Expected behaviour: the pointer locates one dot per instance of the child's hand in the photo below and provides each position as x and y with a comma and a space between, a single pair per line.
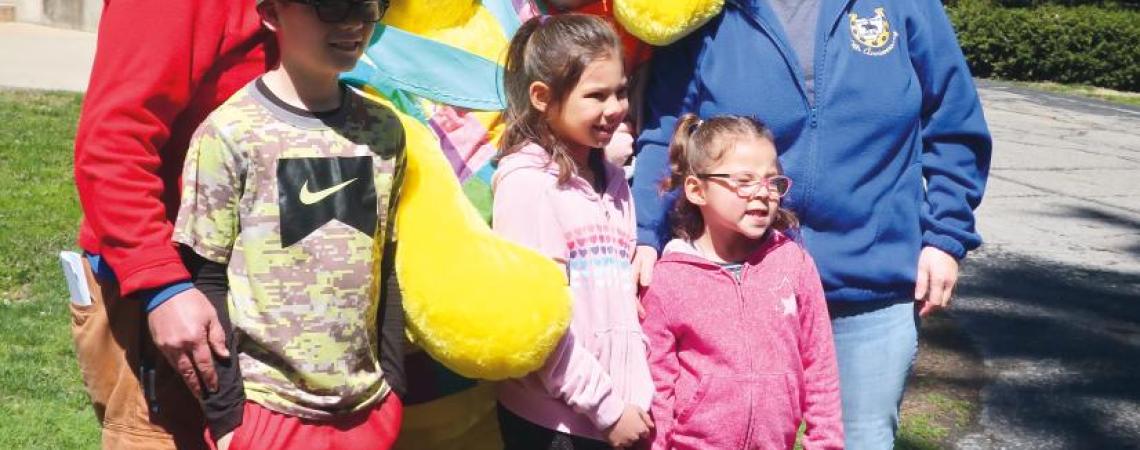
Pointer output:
633, 425
643, 259
937, 275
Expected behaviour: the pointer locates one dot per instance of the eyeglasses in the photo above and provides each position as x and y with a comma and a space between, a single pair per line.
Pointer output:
337, 11
749, 184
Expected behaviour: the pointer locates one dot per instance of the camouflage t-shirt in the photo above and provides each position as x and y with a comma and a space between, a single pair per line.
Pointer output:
290, 201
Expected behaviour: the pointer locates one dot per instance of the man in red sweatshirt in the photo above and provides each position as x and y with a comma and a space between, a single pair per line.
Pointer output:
160, 68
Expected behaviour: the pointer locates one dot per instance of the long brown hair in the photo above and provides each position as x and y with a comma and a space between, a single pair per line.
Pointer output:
554, 50
697, 146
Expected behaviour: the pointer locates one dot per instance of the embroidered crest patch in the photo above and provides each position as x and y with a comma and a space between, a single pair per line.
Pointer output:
872, 36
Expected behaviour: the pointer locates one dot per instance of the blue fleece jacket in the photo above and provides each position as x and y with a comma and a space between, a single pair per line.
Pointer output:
892, 156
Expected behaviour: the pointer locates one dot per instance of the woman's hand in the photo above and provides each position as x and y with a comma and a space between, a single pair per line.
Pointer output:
937, 276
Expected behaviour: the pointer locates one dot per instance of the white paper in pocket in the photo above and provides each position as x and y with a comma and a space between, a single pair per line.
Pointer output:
76, 278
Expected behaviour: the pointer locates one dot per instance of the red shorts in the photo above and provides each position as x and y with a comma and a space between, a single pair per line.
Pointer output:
262, 429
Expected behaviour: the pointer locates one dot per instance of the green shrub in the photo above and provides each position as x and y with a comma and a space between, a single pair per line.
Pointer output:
1106, 3
1081, 44
1030, 3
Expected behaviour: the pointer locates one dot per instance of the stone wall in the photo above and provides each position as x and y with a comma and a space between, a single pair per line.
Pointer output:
74, 14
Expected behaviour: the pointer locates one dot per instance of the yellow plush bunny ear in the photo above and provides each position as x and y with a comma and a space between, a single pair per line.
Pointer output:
482, 306
660, 22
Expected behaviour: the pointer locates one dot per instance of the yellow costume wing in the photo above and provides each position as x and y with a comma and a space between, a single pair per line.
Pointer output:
482, 306
664, 22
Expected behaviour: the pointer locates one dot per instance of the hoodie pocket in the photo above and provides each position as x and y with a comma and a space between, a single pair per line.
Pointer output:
715, 417
774, 414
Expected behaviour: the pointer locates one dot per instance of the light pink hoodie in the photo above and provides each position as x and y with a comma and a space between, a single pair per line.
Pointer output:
738, 364
601, 364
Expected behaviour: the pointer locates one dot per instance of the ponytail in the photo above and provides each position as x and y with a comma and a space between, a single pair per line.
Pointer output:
679, 166
687, 221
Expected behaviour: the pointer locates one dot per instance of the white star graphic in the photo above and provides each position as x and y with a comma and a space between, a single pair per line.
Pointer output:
789, 305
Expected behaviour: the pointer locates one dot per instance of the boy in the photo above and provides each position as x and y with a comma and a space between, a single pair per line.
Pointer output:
289, 190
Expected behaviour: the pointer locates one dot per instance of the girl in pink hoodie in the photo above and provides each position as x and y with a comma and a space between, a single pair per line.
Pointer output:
740, 341
556, 193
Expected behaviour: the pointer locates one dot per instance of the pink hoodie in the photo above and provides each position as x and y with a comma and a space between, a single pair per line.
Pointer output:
601, 365
739, 364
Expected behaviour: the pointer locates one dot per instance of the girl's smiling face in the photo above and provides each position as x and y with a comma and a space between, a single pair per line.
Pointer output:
726, 206
593, 110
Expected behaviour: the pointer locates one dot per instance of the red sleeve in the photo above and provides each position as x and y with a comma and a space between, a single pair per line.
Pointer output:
822, 409
149, 56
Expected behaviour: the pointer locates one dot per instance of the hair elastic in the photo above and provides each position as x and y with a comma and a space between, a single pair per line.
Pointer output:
695, 125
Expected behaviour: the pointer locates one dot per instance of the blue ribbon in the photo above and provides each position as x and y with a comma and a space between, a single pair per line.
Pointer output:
401, 65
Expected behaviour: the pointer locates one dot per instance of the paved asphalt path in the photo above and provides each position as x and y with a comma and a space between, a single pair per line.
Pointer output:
1053, 298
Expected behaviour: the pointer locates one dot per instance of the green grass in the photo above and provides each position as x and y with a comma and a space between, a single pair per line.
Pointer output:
928, 428
922, 431
1108, 95
919, 433
42, 401
958, 410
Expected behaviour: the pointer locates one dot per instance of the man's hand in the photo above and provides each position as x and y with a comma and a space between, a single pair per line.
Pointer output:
643, 259
937, 275
633, 426
185, 329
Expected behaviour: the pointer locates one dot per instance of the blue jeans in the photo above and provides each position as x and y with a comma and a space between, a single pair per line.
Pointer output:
876, 343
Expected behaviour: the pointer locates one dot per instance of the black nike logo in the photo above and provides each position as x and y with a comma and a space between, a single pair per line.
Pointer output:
313, 191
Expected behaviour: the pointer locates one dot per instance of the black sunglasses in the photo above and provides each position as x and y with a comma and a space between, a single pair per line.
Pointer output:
337, 11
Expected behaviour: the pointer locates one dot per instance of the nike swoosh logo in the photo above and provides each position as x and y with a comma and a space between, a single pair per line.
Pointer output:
309, 197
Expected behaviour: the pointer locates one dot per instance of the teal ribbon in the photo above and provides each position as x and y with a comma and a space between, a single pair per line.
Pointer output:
504, 12
403, 66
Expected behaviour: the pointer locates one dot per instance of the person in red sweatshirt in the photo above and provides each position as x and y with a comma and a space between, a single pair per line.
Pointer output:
146, 346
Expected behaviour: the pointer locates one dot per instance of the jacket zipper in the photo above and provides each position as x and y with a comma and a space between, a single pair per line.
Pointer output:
811, 107
820, 69
739, 284
818, 58
785, 52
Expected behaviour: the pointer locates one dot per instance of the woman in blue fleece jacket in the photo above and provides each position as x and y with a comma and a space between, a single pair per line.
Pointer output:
878, 122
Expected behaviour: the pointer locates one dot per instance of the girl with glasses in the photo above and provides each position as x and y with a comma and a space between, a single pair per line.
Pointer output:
741, 349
